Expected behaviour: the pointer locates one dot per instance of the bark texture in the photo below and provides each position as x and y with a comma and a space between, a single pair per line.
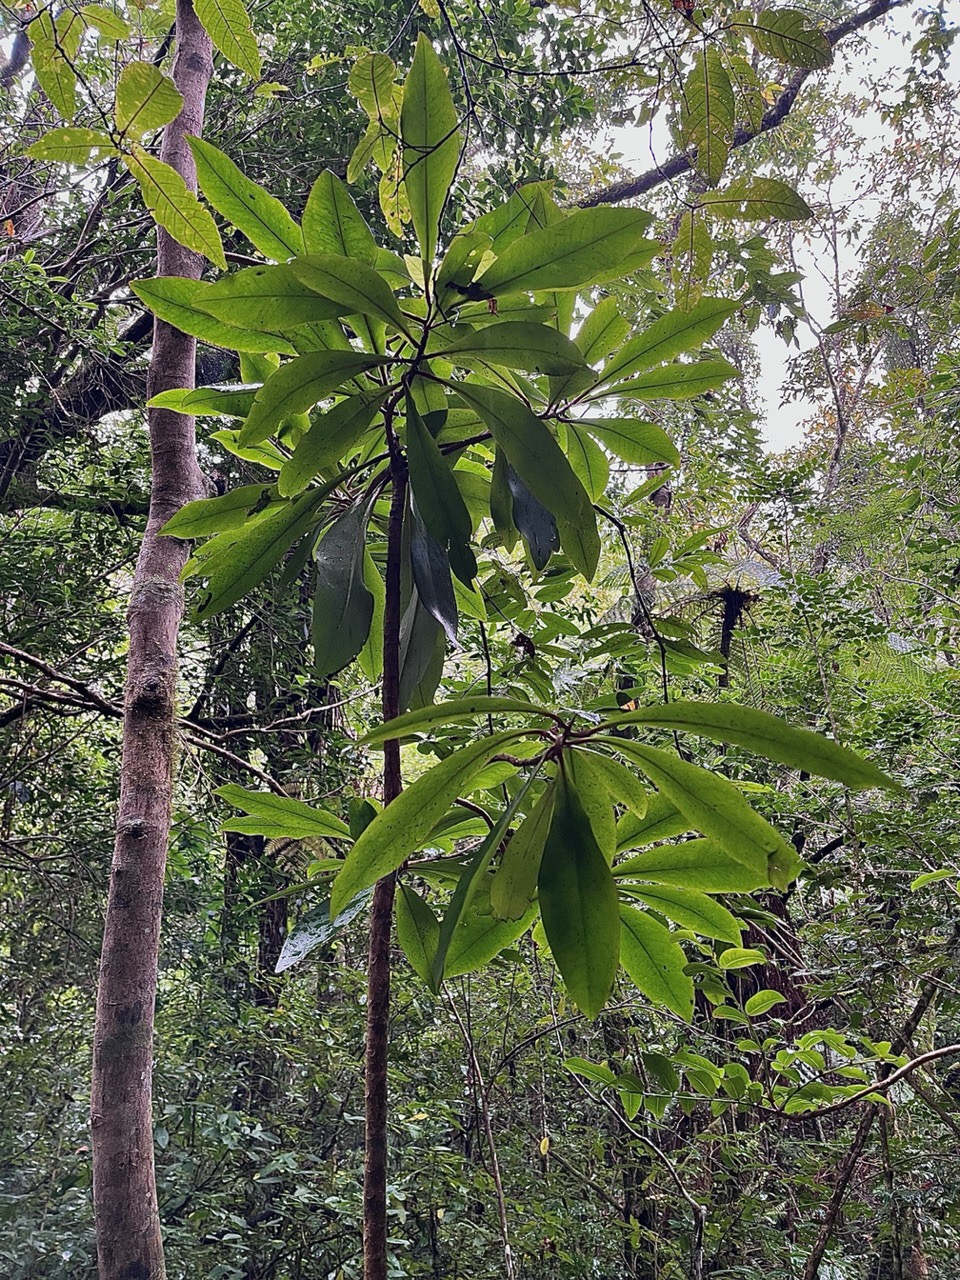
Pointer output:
129, 1245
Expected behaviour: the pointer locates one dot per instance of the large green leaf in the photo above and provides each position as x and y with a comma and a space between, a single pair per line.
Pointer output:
232, 400
174, 207
661, 821
655, 962
430, 566
478, 704
332, 223
332, 435
585, 775
252, 210
266, 298
422, 650
354, 285
589, 462
670, 336
230, 510
695, 864
282, 815
570, 253
342, 605
228, 25
514, 884
174, 299
418, 931
622, 784
439, 502
767, 735
715, 807
527, 516
635, 441
316, 929
692, 910
751, 198
479, 936
578, 904
539, 461
110, 25
371, 82
403, 826
431, 144
146, 99
298, 385
784, 34
71, 146
603, 330
707, 115
675, 381
515, 344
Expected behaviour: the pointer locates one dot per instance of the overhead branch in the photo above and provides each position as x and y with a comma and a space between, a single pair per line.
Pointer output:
773, 117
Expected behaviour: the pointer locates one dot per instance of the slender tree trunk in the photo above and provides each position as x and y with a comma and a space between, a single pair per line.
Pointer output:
124, 1188
381, 918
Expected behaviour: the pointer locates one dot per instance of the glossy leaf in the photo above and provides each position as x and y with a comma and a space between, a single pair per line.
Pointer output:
692, 910
741, 958
418, 931
516, 344
282, 815
298, 385
767, 735
402, 827
479, 936
244, 203
431, 143
570, 253
746, 199
228, 25
578, 904
541, 465
342, 605
715, 806
438, 500
332, 223
146, 100
655, 962
677, 332
174, 207
514, 884
635, 441
763, 1002
430, 566
531, 519
352, 284
174, 299
621, 783
330, 438
422, 649
316, 929
695, 864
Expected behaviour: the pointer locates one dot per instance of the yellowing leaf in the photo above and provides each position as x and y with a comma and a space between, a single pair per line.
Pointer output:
228, 25
174, 207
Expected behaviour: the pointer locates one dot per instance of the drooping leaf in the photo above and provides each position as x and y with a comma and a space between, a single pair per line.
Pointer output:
785, 34
252, 210
354, 285
707, 115
767, 735
716, 807
438, 500
514, 884
282, 815
402, 827
430, 566
146, 99
174, 207
695, 864
515, 344
692, 910
227, 23
539, 462
479, 935
266, 298
675, 381
571, 253
587, 459
316, 929
672, 335
328, 440
578, 904
635, 441
752, 198
530, 517
655, 962
418, 931
370, 657
71, 145
342, 605
586, 777
298, 385
174, 299
431, 143
332, 223
422, 649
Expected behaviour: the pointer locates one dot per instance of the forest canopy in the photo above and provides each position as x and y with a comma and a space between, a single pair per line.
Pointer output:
468, 806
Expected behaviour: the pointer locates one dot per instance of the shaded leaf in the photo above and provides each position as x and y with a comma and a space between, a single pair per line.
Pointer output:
266, 298
655, 962
516, 344
298, 385
342, 605
677, 332
749, 198
332, 436
418, 931
438, 500
514, 884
